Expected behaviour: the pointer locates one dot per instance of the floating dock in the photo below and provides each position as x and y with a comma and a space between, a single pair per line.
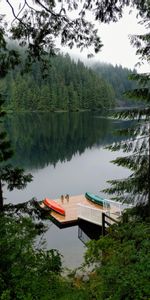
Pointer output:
78, 207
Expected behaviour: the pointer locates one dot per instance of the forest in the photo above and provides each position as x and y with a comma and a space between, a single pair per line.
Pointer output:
120, 260
119, 78
68, 86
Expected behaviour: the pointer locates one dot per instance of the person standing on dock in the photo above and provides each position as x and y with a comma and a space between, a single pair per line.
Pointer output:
62, 198
67, 197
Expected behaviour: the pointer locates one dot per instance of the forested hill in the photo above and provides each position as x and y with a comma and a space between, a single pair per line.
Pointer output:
69, 86
118, 77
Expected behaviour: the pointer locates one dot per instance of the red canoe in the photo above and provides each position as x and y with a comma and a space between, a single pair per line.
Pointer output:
54, 206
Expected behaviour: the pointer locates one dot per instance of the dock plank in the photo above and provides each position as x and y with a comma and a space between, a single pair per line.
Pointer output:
71, 207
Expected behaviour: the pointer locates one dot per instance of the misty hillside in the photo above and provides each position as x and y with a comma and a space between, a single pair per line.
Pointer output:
118, 77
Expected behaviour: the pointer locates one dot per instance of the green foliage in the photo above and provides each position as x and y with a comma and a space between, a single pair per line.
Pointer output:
37, 27
122, 267
26, 271
15, 177
107, 11
9, 58
118, 77
5, 147
124, 271
68, 86
136, 188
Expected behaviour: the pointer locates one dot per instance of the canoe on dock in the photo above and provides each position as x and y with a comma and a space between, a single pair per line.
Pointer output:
97, 199
53, 205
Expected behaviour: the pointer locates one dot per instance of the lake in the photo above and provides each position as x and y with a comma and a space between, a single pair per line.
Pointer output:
65, 152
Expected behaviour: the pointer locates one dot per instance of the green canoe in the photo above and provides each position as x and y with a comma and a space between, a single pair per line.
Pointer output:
97, 199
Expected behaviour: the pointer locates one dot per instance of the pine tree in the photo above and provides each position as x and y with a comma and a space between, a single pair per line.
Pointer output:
38, 28
136, 188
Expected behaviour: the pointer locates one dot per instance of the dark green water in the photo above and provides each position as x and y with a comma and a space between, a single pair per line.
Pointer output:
66, 153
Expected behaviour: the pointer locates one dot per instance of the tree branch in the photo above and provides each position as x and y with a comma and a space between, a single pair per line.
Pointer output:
14, 14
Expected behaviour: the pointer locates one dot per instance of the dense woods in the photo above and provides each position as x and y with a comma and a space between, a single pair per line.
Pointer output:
118, 77
122, 264
122, 258
68, 86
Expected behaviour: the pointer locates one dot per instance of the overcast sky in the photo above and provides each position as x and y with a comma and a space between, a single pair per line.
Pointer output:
117, 48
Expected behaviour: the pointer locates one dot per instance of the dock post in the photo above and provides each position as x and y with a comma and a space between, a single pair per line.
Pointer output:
103, 224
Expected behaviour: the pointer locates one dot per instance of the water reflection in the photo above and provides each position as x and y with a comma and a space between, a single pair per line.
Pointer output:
88, 231
67, 242
65, 153
47, 138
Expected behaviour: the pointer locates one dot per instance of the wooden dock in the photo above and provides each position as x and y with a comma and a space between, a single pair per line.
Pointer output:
71, 210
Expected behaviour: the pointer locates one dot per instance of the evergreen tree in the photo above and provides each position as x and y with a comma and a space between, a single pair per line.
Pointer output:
136, 188
25, 269
58, 90
124, 268
36, 29
118, 78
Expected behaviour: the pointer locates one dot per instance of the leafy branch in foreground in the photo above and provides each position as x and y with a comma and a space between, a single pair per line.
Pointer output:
37, 25
136, 188
27, 271
125, 262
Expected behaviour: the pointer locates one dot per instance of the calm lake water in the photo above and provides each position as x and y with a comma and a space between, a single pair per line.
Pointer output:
65, 152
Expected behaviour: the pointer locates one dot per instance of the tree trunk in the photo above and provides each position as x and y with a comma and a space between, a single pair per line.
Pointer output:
1, 197
149, 174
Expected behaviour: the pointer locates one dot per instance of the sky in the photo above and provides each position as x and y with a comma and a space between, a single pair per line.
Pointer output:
117, 48
115, 38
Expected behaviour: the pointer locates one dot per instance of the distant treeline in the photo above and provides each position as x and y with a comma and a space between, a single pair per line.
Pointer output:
118, 77
68, 86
